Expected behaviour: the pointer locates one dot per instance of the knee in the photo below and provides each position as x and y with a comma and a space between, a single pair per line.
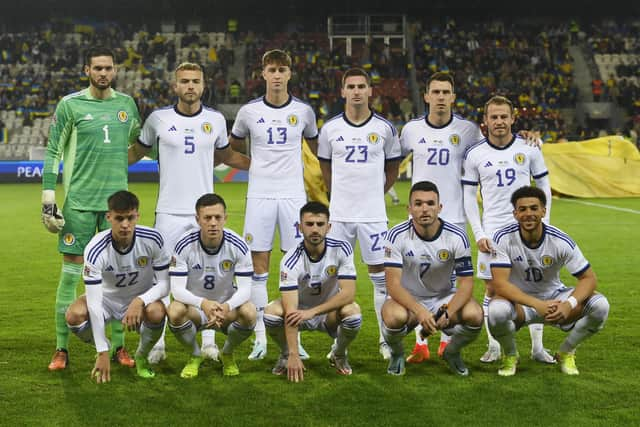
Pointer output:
349, 310
394, 316
598, 308
76, 314
274, 308
473, 315
155, 312
177, 313
500, 312
247, 314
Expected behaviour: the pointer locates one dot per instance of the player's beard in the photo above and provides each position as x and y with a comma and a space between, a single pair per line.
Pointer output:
101, 84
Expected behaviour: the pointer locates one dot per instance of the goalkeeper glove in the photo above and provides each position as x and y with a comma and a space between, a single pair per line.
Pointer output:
51, 217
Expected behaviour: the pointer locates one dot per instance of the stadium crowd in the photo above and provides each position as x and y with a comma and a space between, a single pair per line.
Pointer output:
528, 62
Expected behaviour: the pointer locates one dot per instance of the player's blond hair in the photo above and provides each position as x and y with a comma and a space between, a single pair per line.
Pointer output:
498, 100
188, 66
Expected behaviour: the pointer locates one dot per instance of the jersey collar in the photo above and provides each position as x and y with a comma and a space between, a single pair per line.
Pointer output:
129, 249
431, 125
268, 104
537, 244
324, 251
344, 116
435, 236
175, 108
513, 139
209, 251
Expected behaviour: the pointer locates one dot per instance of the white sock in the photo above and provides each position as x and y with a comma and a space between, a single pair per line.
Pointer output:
186, 335
595, 314
347, 332
379, 296
260, 298
149, 334
419, 339
236, 333
208, 337
493, 343
275, 327
536, 330
461, 336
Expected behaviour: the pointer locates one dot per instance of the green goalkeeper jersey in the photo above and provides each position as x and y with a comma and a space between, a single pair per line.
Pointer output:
92, 137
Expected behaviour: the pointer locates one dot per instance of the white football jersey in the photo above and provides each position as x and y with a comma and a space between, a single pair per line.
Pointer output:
185, 147
125, 275
317, 281
358, 154
211, 275
438, 152
500, 171
276, 146
427, 265
536, 271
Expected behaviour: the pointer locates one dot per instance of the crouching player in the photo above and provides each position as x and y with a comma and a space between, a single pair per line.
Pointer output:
211, 285
125, 275
317, 286
526, 278
420, 256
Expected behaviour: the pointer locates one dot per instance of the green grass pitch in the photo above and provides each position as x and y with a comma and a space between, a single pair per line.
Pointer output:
604, 394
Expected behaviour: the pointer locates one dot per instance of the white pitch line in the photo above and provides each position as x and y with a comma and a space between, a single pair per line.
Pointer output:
600, 205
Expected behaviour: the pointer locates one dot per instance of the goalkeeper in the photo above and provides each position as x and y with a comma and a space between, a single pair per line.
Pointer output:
91, 132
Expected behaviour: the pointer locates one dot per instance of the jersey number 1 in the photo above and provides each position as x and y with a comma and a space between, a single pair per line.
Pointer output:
105, 129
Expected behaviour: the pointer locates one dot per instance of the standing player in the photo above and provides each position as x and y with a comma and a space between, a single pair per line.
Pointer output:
92, 129
421, 255
125, 275
526, 279
186, 136
211, 285
359, 156
318, 286
499, 164
275, 123
438, 142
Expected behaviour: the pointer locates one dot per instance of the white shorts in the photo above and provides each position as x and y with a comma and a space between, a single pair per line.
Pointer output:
173, 226
532, 316
484, 266
434, 303
370, 237
261, 218
317, 323
113, 310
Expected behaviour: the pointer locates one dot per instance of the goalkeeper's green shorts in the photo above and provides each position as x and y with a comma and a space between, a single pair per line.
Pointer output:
79, 228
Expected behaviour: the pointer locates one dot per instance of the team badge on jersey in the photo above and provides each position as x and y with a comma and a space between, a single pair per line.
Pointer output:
206, 127
331, 270
519, 158
292, 119
69, 239
547, 260
443, 255
142, 261
454, 139
123, 116
226, 265
373, 138
248, 237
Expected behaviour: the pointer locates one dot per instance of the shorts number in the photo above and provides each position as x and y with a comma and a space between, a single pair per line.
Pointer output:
363, 153
509, 177
375, 246
105, 129
122, 278
438, 156
209, 282
189, 145
281, 134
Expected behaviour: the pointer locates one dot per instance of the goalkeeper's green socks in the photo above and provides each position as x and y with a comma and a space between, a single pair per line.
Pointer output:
117, 335
65, 295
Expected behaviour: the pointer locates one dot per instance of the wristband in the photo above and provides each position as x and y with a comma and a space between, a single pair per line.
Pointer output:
573, 302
